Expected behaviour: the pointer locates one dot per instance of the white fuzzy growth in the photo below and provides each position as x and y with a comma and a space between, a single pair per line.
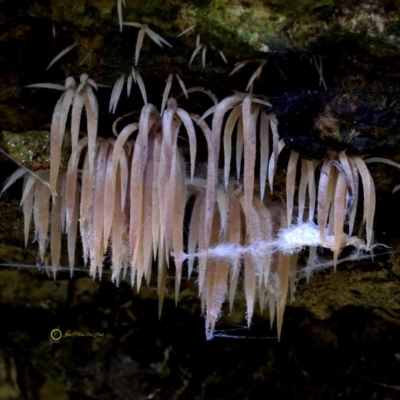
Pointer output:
289, 241
227, 251
230, 252
293, 239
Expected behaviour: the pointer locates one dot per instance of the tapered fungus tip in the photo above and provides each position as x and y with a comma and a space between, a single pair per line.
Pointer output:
177, 285
335, 260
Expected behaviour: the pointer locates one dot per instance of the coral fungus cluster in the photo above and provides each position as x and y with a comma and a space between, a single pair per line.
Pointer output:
130, 197
127, 197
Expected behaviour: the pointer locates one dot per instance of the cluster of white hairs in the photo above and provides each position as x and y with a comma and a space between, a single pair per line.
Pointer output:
127, 196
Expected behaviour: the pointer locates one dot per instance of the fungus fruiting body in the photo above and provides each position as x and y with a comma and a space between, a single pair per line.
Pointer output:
128, 200
144, 28
127, 196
